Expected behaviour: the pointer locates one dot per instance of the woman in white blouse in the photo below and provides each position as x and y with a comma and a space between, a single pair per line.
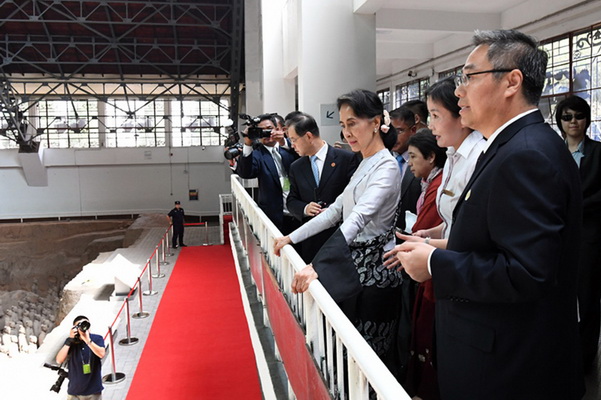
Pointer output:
366, 212
464, 147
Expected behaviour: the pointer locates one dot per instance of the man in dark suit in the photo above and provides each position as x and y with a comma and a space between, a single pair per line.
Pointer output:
317, 178
573, 117
405, 122
505, 287
269, 162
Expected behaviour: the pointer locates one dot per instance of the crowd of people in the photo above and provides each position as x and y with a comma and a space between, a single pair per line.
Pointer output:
460, 235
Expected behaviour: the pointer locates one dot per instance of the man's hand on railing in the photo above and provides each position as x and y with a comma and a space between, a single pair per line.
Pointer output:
279, 243
303, 278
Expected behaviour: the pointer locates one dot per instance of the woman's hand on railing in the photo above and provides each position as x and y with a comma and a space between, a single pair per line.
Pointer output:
280, 242
303, 278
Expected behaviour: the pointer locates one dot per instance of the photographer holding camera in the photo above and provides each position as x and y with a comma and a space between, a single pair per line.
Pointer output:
266, 155
84, 351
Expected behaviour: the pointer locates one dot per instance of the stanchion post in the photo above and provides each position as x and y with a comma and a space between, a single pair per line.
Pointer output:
206, 243
149, 292
158, 274
167, 245
113, 377
140, 314
128, 341
164, 254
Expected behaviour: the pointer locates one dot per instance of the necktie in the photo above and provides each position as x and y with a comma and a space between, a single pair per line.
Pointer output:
315, 169
401, 161
480, 157
277, 158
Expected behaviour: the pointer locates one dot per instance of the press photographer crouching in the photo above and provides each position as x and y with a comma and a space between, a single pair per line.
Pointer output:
83, 351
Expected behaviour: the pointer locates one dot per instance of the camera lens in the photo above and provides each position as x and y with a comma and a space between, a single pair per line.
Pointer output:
83, 326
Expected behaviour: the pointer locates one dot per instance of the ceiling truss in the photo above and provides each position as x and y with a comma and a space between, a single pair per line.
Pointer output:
103, 49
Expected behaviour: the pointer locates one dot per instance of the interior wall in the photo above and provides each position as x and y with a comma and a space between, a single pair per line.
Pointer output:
553, 18
115, 181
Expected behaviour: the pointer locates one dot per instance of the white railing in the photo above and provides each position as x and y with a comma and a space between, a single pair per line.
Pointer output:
225, 208
330, 336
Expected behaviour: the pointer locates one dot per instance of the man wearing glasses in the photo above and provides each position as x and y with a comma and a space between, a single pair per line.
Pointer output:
316, 179
506, 324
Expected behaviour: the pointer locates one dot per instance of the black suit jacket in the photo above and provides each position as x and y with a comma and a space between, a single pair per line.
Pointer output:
338, 168
259, 164
411, 188
506, 323
590, 175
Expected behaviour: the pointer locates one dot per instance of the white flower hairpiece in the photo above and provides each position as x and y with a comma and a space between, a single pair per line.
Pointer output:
386, 118
386, 125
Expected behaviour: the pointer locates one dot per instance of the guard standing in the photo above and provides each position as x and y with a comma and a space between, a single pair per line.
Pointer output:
176, 218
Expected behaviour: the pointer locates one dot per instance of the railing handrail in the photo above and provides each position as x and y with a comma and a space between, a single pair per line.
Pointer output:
378, 375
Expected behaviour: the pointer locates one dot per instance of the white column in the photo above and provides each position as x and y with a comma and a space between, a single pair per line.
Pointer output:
322, 45
168, 122
278, 84
253, 56
102, 121
337, 53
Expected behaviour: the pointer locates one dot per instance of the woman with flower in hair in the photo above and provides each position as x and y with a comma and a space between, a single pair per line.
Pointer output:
350, 265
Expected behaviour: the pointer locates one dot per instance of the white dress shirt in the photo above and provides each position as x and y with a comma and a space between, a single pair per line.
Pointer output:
320, 162
321, 158
366, 206
457, 172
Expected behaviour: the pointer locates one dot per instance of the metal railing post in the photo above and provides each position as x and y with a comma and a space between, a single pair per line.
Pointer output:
149, 292
141, 313
113, 377
128, 341
169, 238
206, 242
158, 264
164, 253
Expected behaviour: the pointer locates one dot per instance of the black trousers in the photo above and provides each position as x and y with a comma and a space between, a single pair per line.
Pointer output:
589, 295
178, 234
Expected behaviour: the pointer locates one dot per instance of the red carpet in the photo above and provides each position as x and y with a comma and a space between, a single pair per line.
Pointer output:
199, 346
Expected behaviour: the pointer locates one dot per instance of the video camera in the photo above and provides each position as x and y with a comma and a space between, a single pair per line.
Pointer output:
254, 133
62, 374
233, 147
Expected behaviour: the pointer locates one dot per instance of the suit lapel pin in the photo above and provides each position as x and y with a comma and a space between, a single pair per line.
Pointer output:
333, 164
469, 193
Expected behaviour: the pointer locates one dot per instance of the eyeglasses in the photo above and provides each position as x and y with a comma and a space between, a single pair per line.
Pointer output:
464, 79
569, 117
